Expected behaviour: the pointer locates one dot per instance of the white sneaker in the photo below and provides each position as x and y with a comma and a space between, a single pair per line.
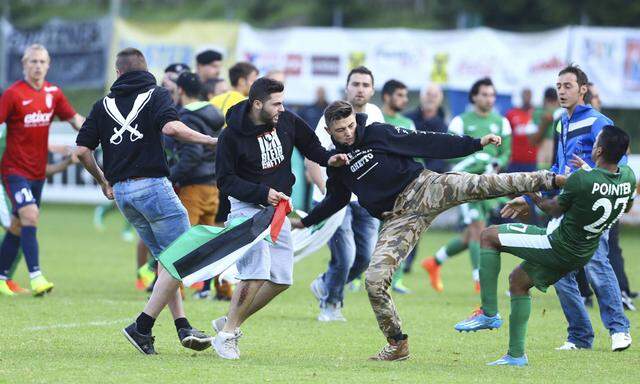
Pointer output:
226, 345
218, 324
620, 341
331, 312
567, 346
318, 289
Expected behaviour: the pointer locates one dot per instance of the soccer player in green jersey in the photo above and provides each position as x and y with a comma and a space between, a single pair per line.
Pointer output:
480, 121
592, 200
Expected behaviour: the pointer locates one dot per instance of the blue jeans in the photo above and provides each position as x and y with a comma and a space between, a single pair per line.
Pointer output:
351, 248
154, 210
605, 285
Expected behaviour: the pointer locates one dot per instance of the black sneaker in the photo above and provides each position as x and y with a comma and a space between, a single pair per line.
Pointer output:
143, 343
193, 339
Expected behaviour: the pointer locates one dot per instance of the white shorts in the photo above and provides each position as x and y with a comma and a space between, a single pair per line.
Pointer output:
265, 261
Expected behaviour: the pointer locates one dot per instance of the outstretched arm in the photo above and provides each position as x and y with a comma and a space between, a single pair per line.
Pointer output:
180, 131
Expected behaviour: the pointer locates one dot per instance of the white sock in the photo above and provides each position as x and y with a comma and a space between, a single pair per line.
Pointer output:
476, 274
33, 275
3, 277
441, 255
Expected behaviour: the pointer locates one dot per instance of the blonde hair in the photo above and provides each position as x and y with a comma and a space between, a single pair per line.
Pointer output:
34, 47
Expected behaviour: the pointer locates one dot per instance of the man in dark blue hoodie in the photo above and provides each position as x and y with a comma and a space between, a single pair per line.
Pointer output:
129, 123
253, 166
396, 189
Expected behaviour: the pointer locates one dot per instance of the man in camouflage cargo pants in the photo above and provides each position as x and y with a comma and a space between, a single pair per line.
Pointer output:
396, 189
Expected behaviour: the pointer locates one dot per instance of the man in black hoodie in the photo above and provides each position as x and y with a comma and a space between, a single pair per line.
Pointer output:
253, 166
194, 171
129, 123
407, 198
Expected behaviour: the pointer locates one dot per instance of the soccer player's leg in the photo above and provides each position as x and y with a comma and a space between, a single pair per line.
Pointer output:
25, 196
455, 246
475, 228
9, 251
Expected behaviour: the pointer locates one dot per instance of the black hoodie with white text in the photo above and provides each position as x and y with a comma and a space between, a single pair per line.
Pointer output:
381, 166
128, 124
251, 158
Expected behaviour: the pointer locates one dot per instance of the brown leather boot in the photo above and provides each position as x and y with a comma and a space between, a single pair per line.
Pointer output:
394, 351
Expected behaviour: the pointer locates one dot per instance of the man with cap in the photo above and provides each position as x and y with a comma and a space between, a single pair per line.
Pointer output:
209, 64
170, 77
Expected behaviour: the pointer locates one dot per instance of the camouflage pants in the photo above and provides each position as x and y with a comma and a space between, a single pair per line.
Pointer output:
415, 208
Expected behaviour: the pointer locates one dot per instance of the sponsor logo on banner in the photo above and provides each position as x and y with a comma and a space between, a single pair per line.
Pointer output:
439, 72
271, 150
552, 64
632, 65
293, 66
598, 50
357, 59
325, 65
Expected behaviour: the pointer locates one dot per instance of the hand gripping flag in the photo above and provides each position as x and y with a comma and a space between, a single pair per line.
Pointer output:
204, 252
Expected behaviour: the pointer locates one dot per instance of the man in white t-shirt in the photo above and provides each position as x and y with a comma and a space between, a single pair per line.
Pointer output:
352, 244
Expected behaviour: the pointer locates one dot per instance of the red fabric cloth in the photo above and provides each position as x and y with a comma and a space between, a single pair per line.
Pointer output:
279, 216
28, 113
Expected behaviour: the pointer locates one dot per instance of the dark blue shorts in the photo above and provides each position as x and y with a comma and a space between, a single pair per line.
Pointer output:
22, 191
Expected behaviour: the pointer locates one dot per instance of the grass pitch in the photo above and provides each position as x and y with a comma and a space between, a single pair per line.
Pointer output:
74, 334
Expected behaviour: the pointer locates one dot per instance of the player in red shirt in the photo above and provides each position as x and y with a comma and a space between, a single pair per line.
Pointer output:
28, 106
523, 150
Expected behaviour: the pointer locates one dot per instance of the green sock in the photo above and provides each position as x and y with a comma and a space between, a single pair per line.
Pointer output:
489, 271
15, 264
455, 246
520, 311
474, 251
452, 248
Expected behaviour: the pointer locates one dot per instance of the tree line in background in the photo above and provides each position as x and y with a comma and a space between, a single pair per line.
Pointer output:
516, 15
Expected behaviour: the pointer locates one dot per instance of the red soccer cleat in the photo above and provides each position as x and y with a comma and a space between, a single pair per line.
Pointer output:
433, 268
140, 285
477, 286
15, 287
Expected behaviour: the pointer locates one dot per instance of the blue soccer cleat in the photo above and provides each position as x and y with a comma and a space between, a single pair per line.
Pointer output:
479, 321
510, 360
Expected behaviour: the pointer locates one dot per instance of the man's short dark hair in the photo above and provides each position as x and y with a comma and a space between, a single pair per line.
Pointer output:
550, 94
208, 57
262, 89
130, 59
337, 110
190, 84
362, 70
581, 77
475, 88
391, 86
241, 70
614, 142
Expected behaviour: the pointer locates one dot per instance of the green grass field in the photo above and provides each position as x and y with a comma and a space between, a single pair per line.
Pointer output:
73, 335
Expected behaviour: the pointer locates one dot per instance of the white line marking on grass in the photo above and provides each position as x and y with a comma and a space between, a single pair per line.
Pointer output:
100, 323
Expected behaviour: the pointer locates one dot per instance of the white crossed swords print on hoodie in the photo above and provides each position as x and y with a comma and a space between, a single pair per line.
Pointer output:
125, 124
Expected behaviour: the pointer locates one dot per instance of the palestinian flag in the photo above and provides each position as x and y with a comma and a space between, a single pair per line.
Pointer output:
204, 252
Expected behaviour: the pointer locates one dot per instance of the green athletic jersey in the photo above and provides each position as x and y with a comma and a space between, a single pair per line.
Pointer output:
400, 121
472, 124
593, 200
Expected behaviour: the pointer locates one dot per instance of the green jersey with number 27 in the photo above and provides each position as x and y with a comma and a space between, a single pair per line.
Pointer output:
593, 201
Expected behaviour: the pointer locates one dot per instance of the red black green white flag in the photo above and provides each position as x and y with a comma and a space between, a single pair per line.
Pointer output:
204, 252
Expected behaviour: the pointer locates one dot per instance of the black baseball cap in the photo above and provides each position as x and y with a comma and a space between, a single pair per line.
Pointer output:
208, 57
177, 68
190, 83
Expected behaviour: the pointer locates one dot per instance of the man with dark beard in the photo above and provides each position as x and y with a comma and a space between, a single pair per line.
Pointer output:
253, 166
